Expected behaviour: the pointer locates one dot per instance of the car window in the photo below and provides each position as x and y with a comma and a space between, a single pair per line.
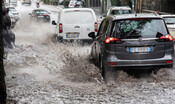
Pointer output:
169, 20
117, 12
87, 17
75, 18
135, 28
10, 13
78, 17
103, 27
41, 12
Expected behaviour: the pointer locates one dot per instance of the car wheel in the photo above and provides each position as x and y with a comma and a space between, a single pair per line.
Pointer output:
170, 66
108, 73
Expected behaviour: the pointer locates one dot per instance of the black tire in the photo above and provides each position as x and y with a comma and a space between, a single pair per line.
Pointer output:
108, 73
170, 66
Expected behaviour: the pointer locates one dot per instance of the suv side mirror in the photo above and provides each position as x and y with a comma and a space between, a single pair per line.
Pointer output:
92, 35
54, 23
30, 14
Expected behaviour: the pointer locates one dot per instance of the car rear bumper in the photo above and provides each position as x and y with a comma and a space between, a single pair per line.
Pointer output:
158, 62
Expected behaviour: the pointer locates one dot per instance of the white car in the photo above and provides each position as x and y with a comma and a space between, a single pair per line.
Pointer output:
76, 24
118, 10
72, 3
170, 22
14, 12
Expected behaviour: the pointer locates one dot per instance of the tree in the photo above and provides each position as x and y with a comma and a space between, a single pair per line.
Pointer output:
121, 3
115, 2
2, 72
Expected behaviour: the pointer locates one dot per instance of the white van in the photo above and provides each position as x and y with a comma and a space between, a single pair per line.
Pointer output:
76, 24
118, 10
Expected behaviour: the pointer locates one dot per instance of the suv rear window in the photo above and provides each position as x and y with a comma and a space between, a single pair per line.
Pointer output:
78, 17
139, 27
117, 12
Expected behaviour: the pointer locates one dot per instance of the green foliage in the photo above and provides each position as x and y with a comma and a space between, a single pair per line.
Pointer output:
50, 1
66, 3
115, 2
121, 2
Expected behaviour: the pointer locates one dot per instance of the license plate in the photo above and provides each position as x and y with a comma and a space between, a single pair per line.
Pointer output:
40, 16
72, 35
140, 49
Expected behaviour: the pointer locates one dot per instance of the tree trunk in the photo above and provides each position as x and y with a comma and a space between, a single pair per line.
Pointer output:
2, 72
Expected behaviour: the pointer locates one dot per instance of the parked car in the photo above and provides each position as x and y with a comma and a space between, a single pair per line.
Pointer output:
72, 3
14, 12
132, 41
13, 3
29, 2
76, 24
170, 21
12, 18
40, 15
79, 4
118, 10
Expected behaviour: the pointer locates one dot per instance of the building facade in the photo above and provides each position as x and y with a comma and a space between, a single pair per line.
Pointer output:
160, 5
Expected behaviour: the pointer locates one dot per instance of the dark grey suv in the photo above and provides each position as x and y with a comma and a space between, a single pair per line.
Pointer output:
132, 40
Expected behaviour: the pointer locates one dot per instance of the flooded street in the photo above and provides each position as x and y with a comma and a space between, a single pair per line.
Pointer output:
42, 71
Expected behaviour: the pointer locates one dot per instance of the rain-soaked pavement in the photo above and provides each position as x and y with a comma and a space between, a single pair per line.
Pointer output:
40, 71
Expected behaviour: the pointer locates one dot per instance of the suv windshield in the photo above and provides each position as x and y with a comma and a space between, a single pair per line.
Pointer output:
169, 20
139, 27
117, 12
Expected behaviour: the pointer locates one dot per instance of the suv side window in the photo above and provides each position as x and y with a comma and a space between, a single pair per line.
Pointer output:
103, 27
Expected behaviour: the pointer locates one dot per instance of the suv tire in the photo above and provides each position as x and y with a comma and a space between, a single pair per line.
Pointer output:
109, 74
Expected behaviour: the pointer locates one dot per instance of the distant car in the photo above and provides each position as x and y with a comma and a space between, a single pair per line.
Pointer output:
132, 41
72, 3
76, 24
170, 21
14, 12
79, 4
29, 2
13, 3
40, 15
118, 10
12, 18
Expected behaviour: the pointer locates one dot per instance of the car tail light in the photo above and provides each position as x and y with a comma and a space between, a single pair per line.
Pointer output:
75, 4
96, 27
169, 62
33, 15
47, 14
167, 37
111, 39
112, 64
60, 28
